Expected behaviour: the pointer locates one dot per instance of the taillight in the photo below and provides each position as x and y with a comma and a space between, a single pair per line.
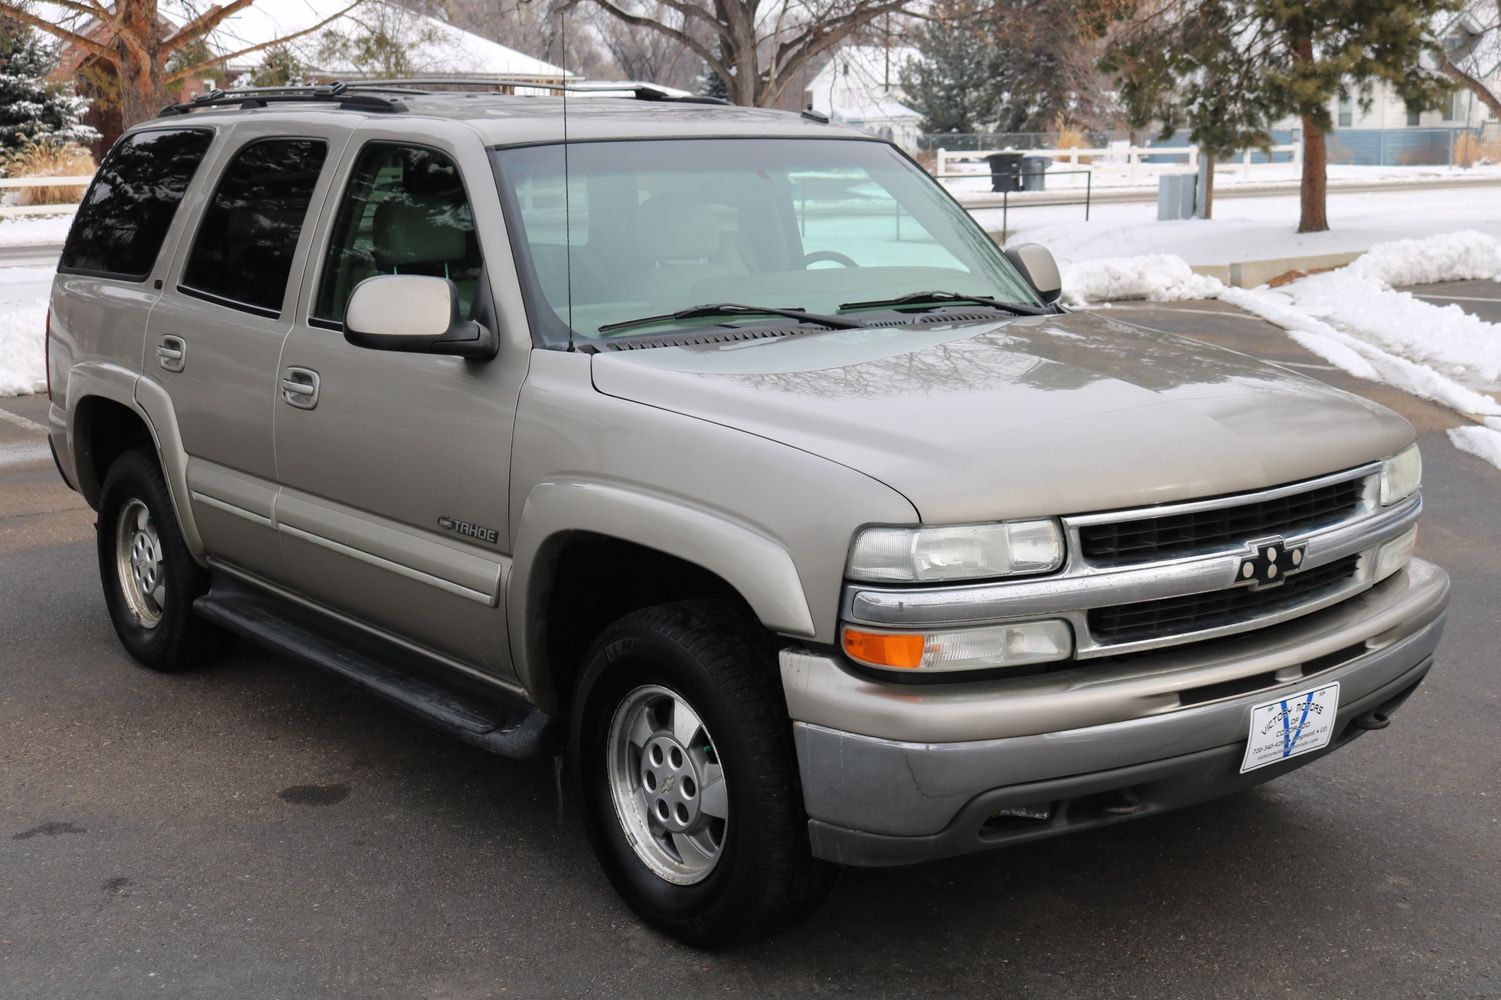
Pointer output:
47, 352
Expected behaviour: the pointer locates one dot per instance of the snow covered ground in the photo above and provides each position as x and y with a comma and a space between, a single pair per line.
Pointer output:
1108, 176
23, 317
32, 231
1251, 228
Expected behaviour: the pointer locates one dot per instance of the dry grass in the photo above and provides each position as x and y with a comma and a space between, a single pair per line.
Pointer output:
1071, 136
48, 159
1471, 149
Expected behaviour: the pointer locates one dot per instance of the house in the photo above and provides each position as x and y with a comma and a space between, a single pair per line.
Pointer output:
861, 86
326, 40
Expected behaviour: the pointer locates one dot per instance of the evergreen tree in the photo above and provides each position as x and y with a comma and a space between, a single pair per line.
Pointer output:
952, 86
30, 109
1227, 69
1006, 65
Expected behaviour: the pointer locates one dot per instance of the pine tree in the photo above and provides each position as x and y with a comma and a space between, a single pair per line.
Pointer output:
1227, 69
31, 110
1007, 65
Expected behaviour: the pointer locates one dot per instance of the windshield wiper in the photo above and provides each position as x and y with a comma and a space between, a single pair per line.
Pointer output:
735, 309
937, 299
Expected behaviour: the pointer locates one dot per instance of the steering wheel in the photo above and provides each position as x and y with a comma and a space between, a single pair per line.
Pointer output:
832, 256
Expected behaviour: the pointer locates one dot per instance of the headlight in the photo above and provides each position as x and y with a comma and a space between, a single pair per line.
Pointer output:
956, 552
1395, 554
1013, 645
1401, 475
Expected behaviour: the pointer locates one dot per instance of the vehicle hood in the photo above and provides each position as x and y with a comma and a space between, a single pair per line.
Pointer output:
1044, 415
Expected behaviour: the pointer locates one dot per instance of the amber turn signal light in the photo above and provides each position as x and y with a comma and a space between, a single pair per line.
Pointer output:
885, 649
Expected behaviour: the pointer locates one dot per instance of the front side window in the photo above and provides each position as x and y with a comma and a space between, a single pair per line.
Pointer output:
649, 228
404, 212
124, 218
243, 252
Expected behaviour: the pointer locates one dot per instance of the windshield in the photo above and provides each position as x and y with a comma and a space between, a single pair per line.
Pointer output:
666, 226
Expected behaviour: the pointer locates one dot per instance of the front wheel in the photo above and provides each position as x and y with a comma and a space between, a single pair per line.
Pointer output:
688, 777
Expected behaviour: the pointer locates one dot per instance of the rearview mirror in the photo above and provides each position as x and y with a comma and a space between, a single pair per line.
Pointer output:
1037, 265
415, 313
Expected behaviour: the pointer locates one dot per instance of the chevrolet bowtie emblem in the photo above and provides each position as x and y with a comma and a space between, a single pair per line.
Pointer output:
1272, 563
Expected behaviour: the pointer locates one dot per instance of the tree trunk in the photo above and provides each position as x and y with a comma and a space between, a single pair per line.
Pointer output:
1315, 216
142, 90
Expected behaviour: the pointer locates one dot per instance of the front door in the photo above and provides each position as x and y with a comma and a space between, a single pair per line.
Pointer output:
394, 474
216, 333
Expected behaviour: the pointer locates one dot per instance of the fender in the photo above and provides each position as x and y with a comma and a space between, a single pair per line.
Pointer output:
105, 380
757, 566
149, 401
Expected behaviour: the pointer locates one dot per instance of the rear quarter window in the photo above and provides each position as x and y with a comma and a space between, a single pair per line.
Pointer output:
124, 218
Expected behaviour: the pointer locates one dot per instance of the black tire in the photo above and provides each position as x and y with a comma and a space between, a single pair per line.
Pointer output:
725, 667
179, 640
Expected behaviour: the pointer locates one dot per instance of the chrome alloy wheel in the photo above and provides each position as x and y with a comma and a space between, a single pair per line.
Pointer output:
138, 563
667, 785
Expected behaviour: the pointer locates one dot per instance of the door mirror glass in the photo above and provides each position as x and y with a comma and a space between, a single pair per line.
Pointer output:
415, 313
1037, 265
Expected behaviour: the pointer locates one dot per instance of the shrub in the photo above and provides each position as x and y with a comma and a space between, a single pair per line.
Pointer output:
48, 158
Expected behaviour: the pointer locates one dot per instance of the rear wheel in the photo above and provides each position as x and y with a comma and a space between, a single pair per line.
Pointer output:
150, 579
684, 757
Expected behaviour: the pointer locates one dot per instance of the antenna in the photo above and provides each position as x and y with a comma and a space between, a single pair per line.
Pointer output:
567, 194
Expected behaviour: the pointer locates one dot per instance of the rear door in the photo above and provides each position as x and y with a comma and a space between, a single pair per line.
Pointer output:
394, 477
216, 335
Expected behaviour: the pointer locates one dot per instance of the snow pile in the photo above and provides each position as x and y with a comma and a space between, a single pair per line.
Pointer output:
1158, 277
23, 318
1482, 442
1450, 257
1353, 318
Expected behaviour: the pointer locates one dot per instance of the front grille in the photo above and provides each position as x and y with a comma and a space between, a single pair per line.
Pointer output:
1154, 538
1175, 616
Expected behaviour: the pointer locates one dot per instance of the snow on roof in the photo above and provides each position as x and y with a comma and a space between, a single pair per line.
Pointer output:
862, 84
430, 46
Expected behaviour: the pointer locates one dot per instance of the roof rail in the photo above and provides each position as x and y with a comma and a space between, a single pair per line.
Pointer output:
260, 97
638, 91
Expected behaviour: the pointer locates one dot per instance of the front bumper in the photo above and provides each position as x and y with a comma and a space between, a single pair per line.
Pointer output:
894, 774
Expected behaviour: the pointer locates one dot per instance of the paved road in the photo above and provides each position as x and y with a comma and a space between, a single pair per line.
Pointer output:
1479, 298
258, 830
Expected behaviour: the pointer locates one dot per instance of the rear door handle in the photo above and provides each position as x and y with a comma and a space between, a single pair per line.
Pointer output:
299, 388
172, 353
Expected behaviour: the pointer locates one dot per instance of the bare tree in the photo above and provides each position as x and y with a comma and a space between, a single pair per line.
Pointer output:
649, 56
1469, 51
758, 48
132, 39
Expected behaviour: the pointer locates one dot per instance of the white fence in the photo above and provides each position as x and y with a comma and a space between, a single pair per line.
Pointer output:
1129, 158
12, 183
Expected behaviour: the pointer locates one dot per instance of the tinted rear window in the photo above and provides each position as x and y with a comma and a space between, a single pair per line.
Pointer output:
125, 215
243, 252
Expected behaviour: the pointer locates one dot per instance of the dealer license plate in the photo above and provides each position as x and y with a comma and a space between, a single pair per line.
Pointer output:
1288, 727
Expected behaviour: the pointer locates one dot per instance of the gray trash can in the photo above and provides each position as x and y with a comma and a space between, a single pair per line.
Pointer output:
1035, 172
1005, 171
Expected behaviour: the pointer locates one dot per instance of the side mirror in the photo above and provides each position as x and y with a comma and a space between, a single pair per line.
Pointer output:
415, 313
1037, 265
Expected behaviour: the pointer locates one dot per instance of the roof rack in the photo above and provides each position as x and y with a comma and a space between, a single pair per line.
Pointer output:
367, 98
632, 89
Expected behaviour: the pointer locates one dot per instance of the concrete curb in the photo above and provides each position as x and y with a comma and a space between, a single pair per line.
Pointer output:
1251, 273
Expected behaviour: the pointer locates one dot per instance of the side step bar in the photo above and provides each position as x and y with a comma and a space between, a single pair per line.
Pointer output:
491, 719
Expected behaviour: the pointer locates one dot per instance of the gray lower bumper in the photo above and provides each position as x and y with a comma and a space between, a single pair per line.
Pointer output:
882, 801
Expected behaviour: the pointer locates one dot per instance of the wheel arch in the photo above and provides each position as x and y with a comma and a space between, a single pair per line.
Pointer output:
589, 553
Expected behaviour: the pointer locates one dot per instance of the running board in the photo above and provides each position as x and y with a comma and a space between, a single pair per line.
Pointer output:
426, 689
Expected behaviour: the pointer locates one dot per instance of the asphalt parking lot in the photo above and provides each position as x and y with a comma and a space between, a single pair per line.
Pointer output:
258, 830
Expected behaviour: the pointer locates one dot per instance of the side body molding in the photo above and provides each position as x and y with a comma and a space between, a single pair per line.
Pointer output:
755, 565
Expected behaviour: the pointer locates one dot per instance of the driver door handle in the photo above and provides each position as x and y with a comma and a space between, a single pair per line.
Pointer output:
299, 388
